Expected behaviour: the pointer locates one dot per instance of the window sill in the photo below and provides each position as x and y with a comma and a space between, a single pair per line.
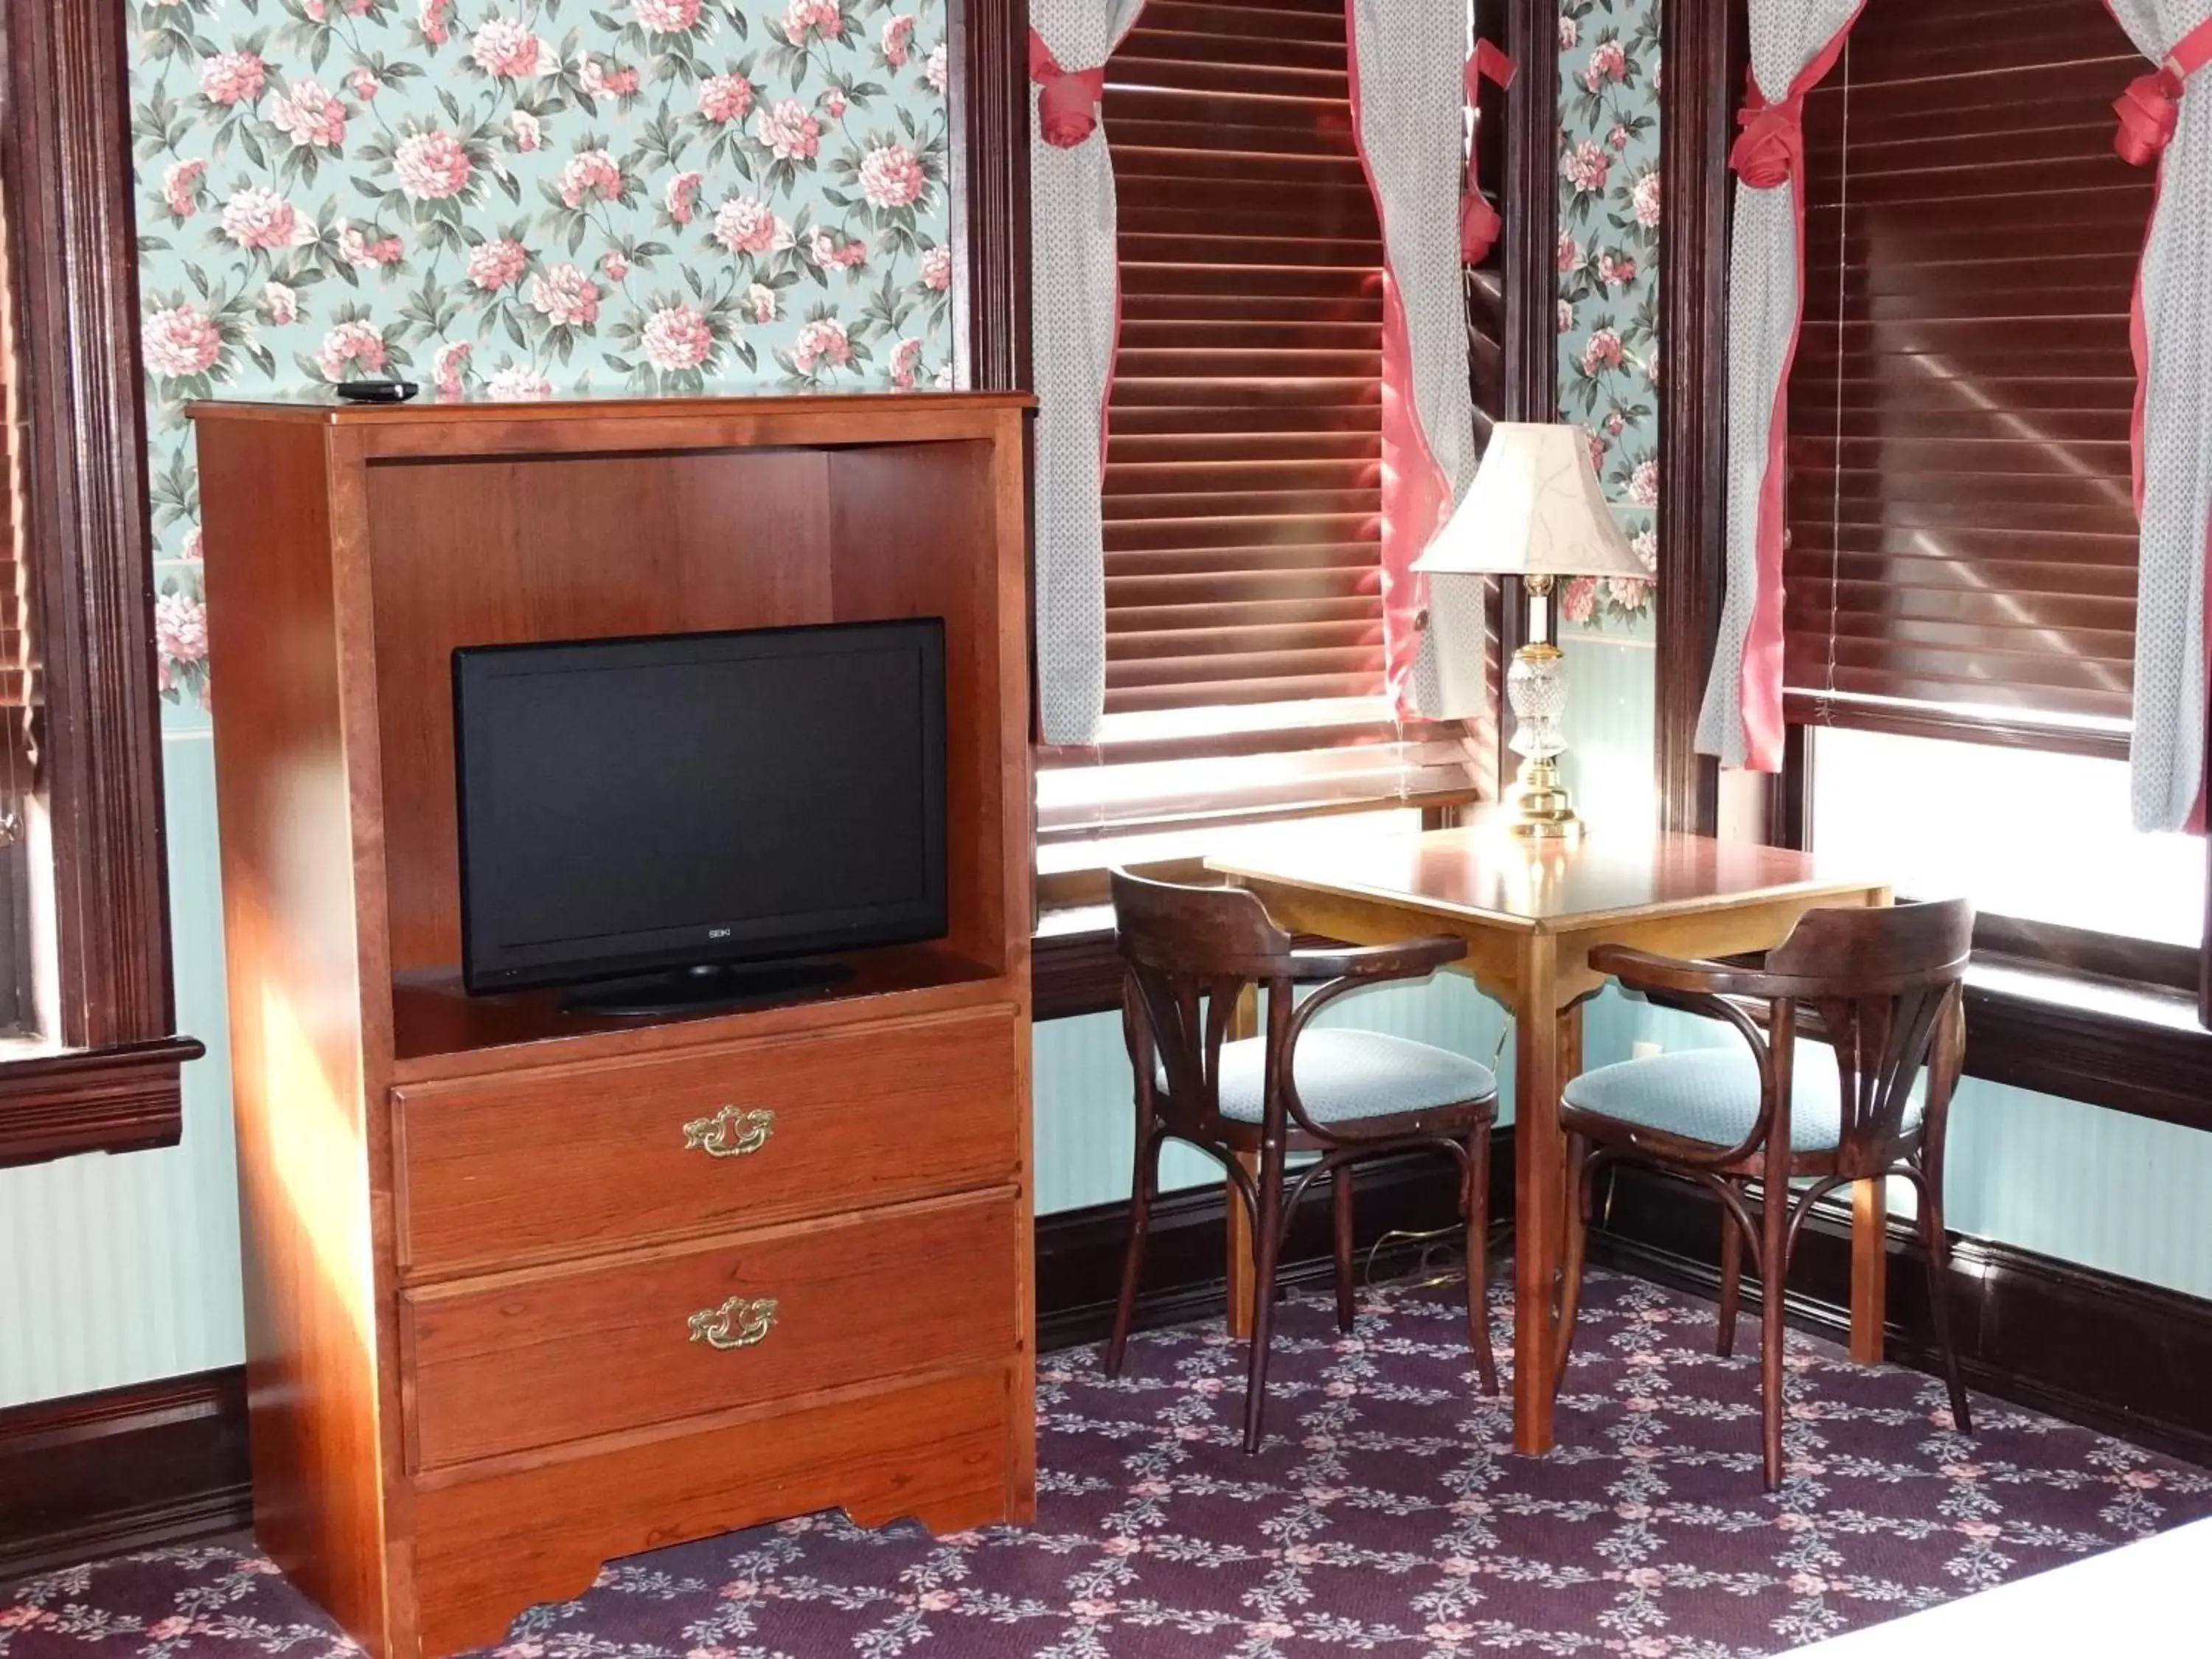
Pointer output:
58, 1103
2131, 1047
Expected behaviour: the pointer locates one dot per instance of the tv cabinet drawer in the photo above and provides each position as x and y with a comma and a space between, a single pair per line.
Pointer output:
559, 1355
535, 1165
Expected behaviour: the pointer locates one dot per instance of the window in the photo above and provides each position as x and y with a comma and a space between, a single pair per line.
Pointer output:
1962, 558
1243, 479
91, 1059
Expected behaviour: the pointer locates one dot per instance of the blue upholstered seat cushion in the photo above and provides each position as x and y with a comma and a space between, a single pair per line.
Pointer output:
1712, 1095
1344, 1077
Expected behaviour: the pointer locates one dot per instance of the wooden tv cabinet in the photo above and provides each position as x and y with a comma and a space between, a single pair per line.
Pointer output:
529, 1290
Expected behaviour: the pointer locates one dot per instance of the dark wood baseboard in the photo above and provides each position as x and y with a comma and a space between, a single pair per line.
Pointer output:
100, 1474
130, 1468
2113, 1354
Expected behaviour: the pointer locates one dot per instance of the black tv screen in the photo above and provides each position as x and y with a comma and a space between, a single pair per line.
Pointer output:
628, 805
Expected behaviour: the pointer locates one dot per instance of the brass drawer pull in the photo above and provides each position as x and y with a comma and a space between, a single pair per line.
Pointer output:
730, 1133
740, 1322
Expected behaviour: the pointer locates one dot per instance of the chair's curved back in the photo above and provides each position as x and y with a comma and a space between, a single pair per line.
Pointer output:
1887, 982
1190, 953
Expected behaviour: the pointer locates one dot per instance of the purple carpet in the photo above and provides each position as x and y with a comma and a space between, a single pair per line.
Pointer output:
1387, 1515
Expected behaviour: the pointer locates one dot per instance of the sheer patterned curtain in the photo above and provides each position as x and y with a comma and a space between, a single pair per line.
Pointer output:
1075, 308
1408, 95
2166, 120
1794, 43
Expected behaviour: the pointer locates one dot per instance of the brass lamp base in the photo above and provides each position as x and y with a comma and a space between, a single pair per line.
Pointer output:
1540, 809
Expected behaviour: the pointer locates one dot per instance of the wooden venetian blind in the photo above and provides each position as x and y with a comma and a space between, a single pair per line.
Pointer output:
1962, 533
1243, 481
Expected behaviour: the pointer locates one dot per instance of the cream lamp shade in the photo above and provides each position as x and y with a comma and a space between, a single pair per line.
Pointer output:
1534, 509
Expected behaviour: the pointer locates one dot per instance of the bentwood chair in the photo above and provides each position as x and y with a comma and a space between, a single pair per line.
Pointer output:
1189, 954
1885, 987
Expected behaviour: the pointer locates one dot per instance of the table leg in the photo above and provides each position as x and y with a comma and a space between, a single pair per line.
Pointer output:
1571, 1065
1238, 1270
1538, 1172
1869, 1260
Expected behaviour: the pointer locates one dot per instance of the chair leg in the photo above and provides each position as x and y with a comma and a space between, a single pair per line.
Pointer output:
1476, 1206
1341, 1203
1936, 1246
1731, 1280
1773, 1225
1570, 1266
1143, 1179
1267, 1246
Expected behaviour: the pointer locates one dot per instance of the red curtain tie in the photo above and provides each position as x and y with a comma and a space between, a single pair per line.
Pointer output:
1480, 223
2150, 108
1771, 148
1068, 101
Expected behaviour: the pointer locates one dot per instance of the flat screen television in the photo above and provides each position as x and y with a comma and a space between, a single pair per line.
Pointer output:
666, 819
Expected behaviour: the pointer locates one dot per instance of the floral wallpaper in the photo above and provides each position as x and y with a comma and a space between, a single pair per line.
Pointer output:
513, 198
1609, 274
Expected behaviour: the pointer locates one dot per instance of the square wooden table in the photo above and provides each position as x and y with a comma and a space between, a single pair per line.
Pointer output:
1530, 913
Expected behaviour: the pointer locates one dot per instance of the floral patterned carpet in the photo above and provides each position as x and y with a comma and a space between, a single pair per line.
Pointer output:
1387, 1515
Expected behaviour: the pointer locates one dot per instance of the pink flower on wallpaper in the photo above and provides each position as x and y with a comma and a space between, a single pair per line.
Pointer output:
821, 341
822, 247
1608, 62
310, 116
725, 98
436, 18
833, 104
760, 300
494, 265
349, 349
179, 633
194, 544
677, 337
257, 217
745, 224
897, 39
891, 176
906, 358
1566, 318
1602, 351
566, 297
821, 17
1616, 139
667, 16
934, 70
362, 83
1586, 166
432, 166
448, 367
1644, 543
788, 131
279, 303
1615, 424
179, 341
937, 269
1644, 197
518, 384
1570, 254
358, 251
590, 176
528, 136
231, 78
506, 49
618, 80
1643, 484
1597, 448
682, 195
615, 264
1579, 599
1629, 592
1615, 269
1570, 33
180, 186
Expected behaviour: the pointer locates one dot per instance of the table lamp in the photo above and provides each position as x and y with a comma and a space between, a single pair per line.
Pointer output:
1535, 511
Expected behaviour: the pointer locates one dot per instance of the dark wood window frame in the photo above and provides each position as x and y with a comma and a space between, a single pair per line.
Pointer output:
1073, 972
107, 1077
2031, 1024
